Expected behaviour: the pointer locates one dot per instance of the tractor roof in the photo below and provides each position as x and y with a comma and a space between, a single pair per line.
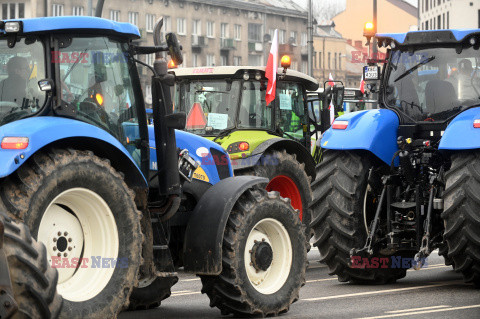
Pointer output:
220, 72
77, 24
429, 37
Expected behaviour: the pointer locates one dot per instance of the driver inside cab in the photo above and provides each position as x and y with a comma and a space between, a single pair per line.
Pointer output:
14, 87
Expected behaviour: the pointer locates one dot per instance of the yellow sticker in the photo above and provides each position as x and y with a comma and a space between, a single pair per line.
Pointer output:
325, 144
200, 175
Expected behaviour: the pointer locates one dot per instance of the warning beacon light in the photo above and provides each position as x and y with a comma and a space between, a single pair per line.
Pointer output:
285, 62
369, 31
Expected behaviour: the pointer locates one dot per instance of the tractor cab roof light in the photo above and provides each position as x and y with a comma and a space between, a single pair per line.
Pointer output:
13, 27
340, 125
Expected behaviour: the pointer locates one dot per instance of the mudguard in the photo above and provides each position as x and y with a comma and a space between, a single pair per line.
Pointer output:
373, 130
200, 149
460, 133
44, 130
290, 146
204, 234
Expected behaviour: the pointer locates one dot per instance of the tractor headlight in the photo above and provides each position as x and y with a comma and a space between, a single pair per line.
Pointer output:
13, 26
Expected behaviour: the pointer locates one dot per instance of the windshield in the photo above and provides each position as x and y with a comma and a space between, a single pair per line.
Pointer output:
210, 105
433, 84
21, 67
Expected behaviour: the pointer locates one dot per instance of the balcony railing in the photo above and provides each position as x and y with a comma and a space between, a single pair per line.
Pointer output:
227, 44
198, 41
255, 46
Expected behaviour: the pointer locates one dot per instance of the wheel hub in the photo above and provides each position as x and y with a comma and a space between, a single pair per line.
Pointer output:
261, 255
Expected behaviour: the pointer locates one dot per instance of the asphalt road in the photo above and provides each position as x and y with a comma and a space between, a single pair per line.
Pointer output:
433, 292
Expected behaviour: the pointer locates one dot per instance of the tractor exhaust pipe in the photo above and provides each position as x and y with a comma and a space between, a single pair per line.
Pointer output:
99, 8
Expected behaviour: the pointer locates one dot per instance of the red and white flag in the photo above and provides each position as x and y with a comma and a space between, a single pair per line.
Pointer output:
362, 85
330, 80
271, 70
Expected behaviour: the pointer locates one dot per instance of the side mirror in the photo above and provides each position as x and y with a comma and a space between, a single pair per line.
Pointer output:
174, 49
338, 94
371, 73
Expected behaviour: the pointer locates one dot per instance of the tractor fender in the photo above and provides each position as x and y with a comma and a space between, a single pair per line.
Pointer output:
373, 130
62, 132
278, 144
205, 230
460, 133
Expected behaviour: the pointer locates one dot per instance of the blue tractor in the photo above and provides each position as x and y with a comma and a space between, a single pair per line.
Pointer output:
105, 194
398, 182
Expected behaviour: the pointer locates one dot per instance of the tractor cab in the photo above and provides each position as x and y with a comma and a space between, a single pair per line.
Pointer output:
224, 103
429, 78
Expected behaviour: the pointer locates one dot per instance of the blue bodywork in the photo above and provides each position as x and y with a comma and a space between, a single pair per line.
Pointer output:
460, 133
374, 131
44, 130
49, 24
194, 144
459, 34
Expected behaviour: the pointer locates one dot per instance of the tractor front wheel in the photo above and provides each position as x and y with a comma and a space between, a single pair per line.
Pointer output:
85, 214
264, 258
461, 215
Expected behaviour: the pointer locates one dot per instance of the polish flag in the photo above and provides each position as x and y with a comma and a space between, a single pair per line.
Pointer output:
330, 80
332, 112
271, 70
362, 85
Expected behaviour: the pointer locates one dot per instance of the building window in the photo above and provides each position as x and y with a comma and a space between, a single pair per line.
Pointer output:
13, 11
149, 58
167, 27
254, 60
426, 5
224, 60
443, 17
426, 25
149, 22
196, 27
304, 67
339, 61
304, 39
237, 60
133, 18
115, 15
335, 61
224, 34
237, 32
281, 36
293, 38
329, 63
181, 26
57, 10
254, 32
210, 29
210, 60
439, 22
320, 60
423, 26
478, 18
77, 11
195, 60
271, 32
294, 66
448, 19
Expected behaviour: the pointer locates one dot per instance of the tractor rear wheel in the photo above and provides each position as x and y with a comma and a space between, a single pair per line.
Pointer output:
461, 215
34, 283
341, 206
288, 177
264, 258
85, 214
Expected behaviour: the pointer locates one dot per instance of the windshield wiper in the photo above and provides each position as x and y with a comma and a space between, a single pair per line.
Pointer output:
223, 133
413, 68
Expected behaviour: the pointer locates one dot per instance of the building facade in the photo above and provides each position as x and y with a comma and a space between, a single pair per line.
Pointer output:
449, 14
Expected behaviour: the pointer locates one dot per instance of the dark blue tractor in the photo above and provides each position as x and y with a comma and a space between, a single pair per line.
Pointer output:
114, 200
398, 182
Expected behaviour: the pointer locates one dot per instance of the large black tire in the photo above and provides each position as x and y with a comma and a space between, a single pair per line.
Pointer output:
36, 184
337, 216
34, 282
232, 291
150, 296
284, 164
443, 251
462, 215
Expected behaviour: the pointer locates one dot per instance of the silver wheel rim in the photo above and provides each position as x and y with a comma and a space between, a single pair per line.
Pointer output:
271, 280
82, 219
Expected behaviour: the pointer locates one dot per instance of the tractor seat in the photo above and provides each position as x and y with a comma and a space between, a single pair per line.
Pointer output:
440, 96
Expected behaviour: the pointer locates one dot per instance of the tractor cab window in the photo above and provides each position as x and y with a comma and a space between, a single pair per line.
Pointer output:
210, 105
433, 84
21, 67
254, 112
95, 80
290, 109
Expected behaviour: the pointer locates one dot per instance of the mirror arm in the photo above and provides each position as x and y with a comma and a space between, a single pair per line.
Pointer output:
149, 49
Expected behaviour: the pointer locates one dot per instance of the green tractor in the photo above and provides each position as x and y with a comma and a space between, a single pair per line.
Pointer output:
227, 105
